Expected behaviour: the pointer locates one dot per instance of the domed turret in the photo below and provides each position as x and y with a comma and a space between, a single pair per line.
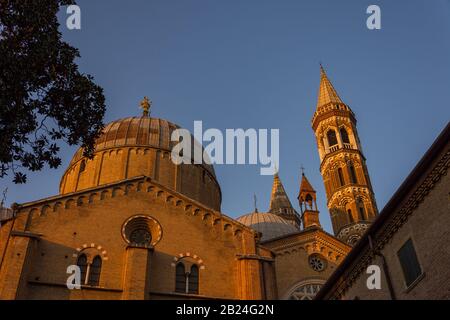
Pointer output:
141, 146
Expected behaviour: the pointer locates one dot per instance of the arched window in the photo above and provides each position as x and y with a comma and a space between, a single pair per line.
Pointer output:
332, 139
350, 216
309, 200
180, 278
82, 166
344, 135
352, 172
94, 272
82, 264
341, 177
193, 280
186, 282
90, 271
361, 210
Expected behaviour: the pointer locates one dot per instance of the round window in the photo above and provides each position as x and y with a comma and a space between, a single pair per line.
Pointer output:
141, 237
317, 263
142, 231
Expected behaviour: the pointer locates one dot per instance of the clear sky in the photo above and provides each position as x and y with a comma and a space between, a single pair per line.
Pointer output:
255, 64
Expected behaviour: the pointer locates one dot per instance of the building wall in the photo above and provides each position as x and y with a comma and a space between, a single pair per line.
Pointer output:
64, 226
115, 164
292, 259
428, 228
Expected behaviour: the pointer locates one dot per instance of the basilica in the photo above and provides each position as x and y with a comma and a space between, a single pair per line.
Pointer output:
139, 226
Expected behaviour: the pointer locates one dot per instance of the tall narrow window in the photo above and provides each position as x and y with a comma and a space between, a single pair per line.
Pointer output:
350, 216
94, 272
361, 209
309, 201
82, 166
344, 135
341, 177
408, 260
193, 280
351, 168
332, 139
82, 263
180, 278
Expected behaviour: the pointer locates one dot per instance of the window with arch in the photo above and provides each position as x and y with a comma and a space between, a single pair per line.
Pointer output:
344, 135
351, 169
90, 270
193, 280
350, 216
331, 137
361, 209
82, 264
341, 177
82, 165
309, 201
186, 281
180, 278
95, 270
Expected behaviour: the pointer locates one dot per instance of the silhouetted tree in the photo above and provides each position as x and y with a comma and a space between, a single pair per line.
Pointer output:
44, 99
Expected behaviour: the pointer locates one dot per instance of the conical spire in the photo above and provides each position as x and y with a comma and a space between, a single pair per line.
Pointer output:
305, 186
327, 93
279, 201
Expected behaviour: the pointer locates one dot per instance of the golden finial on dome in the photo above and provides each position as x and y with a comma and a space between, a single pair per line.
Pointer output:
146, 104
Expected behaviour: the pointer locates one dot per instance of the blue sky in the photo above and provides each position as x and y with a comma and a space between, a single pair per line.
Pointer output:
255, 64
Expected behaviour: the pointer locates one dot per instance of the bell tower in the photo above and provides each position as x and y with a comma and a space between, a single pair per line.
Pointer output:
308, 204
350, 198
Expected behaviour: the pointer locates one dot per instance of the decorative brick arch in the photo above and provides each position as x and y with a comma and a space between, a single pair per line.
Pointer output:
102, 252
194, 257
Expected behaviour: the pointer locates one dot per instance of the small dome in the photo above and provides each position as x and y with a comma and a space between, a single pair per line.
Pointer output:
270, 225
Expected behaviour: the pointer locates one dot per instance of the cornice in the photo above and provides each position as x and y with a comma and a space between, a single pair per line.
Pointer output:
88, 197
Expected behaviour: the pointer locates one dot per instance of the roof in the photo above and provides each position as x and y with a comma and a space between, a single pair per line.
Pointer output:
390, 209
279, 200
305, 186
139, 131
5, 213
327, 93
270, 225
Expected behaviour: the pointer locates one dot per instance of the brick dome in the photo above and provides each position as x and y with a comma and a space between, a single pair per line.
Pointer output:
137, 146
